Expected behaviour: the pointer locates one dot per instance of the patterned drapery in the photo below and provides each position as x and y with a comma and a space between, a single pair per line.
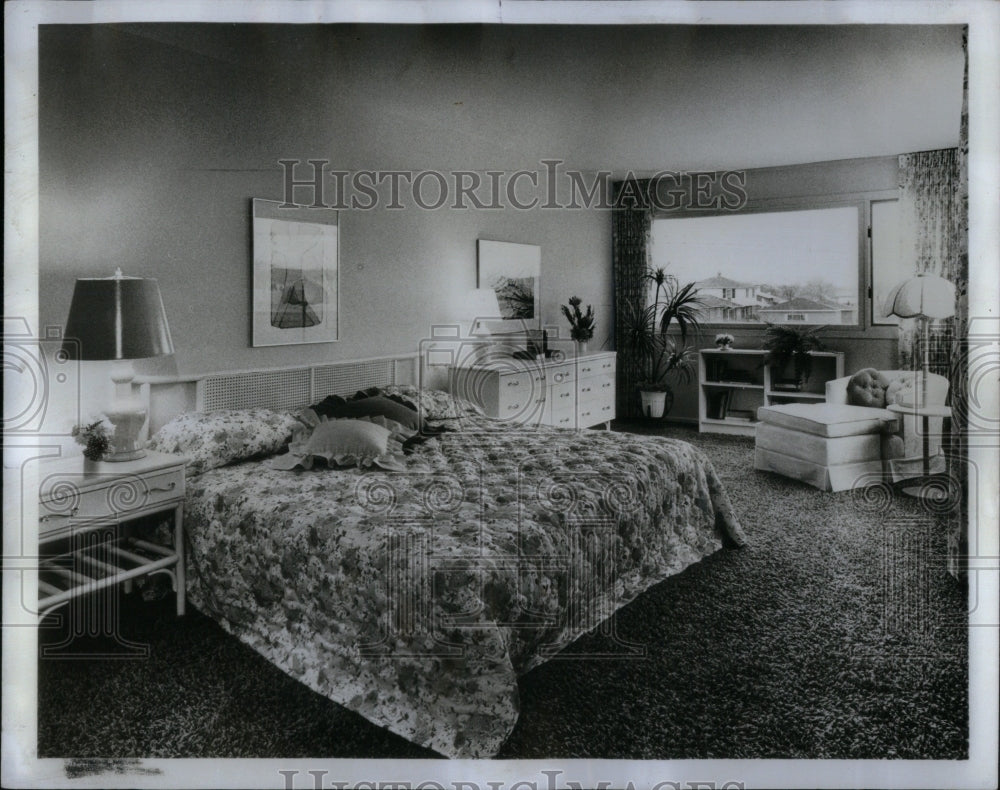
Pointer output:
934, 198
958, 537
928, 182
631, 220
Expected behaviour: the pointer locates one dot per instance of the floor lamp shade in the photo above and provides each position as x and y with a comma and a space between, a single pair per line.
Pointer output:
925, 296
117, 319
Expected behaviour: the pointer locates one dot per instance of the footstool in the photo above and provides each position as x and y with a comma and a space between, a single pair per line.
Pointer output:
831, 446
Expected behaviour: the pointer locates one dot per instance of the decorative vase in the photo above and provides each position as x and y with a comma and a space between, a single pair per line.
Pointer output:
581, 347
654, 404
725, 347
90, 465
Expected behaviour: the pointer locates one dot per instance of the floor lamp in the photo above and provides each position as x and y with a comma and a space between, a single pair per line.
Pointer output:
118, 318
928, 298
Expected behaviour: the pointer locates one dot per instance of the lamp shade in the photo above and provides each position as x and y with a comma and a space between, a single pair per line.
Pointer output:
925, 295
482, 305
116, 318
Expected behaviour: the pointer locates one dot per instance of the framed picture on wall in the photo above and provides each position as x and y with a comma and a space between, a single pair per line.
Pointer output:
513, 271
296, 268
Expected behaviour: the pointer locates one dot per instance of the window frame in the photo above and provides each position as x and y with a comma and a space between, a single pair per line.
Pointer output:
860, 200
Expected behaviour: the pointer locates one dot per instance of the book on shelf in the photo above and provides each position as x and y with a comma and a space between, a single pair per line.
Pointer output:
718, 405
743, 415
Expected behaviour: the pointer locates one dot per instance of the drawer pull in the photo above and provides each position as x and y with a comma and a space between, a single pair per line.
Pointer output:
51, 516
514, 407
585, 389
565, 394
585, 370
513, 383
170, 487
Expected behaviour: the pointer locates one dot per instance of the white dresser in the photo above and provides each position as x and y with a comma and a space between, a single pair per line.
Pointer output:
574, 392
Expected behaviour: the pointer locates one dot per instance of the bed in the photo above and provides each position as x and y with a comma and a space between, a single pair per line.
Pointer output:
416, 595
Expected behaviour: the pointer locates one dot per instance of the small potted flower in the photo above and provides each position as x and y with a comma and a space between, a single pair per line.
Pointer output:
95, 440
581, 324
724, 342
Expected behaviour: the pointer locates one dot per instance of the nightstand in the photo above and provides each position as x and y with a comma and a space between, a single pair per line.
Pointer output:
82, 510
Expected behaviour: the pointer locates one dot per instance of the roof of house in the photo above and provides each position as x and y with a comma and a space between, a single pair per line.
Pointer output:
799, 303
707, 300
722, 282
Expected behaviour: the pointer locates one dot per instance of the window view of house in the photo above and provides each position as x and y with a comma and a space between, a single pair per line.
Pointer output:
794, 267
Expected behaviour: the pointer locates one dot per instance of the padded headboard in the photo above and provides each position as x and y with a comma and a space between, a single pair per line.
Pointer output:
273, 388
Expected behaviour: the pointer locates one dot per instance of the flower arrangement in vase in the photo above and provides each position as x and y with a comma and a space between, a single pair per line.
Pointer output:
724, 342
581, 324
94, 438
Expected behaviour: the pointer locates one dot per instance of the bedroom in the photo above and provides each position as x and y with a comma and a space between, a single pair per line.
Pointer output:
154, 139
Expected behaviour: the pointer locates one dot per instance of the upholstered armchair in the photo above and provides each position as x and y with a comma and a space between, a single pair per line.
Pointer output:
852, 439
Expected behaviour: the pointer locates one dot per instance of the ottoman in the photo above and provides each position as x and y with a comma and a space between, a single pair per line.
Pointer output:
831, 446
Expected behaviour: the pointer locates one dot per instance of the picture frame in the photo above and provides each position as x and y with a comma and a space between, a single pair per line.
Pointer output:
296, 274
513, 271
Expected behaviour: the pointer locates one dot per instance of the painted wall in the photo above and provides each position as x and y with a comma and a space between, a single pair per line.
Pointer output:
154, 138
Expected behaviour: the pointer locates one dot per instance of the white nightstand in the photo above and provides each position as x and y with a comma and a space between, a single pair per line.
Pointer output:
76, 502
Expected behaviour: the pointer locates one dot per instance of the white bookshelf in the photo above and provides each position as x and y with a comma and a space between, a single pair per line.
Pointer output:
741, 378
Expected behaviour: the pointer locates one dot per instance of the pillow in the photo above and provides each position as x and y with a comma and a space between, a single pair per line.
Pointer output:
376, 406
341, 443
431, 404
211, 439
867, 388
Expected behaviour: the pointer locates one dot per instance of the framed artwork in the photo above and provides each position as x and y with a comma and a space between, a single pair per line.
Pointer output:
513, 271
296, 267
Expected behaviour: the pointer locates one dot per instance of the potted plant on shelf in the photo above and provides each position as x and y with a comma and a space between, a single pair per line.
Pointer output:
581, 324
647, 338
724, 341
790, 345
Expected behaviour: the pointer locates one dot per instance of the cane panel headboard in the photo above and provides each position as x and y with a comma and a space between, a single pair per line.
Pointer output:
273, 388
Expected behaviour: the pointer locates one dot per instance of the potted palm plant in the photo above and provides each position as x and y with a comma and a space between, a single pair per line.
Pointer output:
790, 345
647, 338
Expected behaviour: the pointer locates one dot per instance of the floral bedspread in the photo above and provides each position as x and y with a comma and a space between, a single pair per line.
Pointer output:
416, 598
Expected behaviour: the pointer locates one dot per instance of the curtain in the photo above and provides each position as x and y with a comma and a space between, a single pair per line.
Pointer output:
958, 528
631, 219
933, 202
928, 181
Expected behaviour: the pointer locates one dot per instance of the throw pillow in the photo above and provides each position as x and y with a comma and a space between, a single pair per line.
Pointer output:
867, 388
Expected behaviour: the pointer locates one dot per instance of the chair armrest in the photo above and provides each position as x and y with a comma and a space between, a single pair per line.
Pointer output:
836, 390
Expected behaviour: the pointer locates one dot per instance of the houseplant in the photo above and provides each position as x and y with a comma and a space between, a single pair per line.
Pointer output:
94, 438
791, 345
581, 324
724, 341
646, 336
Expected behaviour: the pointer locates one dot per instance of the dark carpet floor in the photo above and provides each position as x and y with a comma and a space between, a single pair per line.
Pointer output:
835, 633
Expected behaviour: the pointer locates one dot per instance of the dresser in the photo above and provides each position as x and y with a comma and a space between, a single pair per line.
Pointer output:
566, 392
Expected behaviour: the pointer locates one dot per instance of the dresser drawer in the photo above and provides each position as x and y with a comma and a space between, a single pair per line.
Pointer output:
596, 367
67, 500
561, 374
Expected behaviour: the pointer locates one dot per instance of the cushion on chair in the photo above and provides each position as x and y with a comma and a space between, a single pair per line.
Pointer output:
827, 419
867, 388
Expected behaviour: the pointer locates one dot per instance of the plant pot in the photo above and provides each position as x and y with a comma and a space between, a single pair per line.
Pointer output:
581, 347
725, 348
654, 404
89, 465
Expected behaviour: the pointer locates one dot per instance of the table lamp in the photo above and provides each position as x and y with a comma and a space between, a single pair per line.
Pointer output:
118, 318
482, 306
924, 296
